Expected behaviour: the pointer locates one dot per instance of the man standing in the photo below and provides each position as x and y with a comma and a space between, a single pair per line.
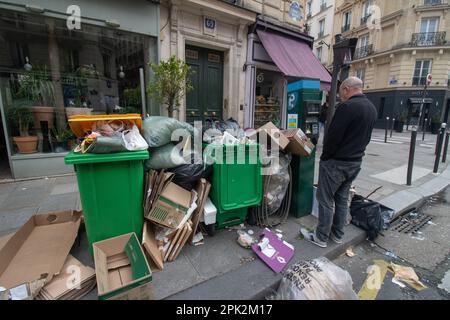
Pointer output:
344, 145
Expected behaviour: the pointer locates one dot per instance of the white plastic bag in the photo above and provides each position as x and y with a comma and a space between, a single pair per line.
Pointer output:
317, 279
133, 140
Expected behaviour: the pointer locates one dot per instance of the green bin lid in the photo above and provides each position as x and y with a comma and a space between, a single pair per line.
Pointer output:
86, 158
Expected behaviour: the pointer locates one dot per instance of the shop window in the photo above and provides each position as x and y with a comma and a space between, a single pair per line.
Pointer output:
381, 108
269, 98
49, 72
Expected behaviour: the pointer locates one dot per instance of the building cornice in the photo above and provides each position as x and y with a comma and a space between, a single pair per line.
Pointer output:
444, 6
393, 16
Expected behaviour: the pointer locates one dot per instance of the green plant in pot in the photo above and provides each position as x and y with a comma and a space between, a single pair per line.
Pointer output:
60, 139
78, 80
21, 116
36, 86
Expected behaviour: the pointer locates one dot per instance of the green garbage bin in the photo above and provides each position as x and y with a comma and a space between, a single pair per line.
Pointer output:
111, 192
236, 182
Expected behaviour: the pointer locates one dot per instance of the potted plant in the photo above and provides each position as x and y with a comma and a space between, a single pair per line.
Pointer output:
36, 86
78, 81
22, 117
60, 139
400, 121
435, 124
170, 83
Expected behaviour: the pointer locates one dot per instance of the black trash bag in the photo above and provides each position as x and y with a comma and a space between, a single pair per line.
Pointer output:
370, 216
187, 175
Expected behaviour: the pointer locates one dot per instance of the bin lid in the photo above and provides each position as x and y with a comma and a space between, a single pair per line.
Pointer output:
87, 158
81, 124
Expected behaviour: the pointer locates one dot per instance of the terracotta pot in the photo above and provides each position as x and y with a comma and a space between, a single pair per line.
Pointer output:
43, 114
71, 111
27, 144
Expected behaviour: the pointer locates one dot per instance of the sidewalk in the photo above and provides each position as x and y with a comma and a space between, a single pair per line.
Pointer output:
221, 269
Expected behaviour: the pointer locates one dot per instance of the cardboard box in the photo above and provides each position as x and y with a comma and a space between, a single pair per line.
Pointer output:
171, 206
122, 270
38, 250
299, 143
272, 131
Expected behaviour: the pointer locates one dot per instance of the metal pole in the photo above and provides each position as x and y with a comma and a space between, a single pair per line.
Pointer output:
424, 129
142, 83
386, 130
333, 95
412, 149
444, 155
439, 150
438, 142
392, 127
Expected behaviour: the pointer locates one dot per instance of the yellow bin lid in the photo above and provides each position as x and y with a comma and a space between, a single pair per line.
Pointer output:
82, 124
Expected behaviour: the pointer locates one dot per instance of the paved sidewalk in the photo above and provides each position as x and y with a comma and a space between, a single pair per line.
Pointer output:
221, 269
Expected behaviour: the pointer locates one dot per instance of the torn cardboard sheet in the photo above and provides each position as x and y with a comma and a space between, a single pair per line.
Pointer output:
38, 249
275, 252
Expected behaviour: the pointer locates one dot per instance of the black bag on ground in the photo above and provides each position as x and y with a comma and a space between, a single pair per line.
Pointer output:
370, 216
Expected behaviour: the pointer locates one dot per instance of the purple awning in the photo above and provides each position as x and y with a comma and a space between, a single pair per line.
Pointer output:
294, 58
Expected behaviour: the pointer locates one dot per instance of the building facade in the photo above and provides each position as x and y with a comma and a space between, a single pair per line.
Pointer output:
399, 43
234, 74
320, 22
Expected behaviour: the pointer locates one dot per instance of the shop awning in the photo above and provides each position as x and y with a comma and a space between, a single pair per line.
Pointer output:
294, 58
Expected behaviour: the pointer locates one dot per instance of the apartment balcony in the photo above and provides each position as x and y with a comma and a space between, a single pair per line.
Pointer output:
345, 28
428, 39
363, 52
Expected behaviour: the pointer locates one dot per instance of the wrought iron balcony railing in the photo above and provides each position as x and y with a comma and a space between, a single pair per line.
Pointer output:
428, 39
365, 19
363, 52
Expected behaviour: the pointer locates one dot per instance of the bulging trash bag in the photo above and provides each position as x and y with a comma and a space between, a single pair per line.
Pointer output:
187, 175
165, 157
107, 145
278, 182
157, 130
317, 279
133, 140
370, 216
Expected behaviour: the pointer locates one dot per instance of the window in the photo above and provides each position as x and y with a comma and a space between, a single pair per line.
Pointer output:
323, 5
321, 28
432, 2
363, 41
361, 74
381, 108
448, 81
319, 53
366, 9
421, 70
309, 9
347, 18
429, 25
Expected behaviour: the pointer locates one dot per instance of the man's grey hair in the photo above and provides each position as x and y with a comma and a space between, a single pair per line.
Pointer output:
352, 82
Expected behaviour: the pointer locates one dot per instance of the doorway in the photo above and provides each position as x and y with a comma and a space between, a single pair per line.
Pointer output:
206, 99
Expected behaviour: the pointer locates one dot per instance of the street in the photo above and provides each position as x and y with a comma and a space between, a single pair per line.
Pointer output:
427, 250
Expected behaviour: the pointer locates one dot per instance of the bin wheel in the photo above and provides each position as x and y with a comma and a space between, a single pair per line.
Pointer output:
210, 229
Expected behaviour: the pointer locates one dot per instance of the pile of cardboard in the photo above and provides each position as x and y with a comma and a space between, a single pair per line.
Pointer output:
35, 260
172, 216
74, 281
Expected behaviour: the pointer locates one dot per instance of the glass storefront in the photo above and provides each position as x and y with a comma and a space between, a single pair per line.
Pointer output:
48, 72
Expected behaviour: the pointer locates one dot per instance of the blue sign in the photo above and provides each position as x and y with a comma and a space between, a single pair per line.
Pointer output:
295, 11
210, 23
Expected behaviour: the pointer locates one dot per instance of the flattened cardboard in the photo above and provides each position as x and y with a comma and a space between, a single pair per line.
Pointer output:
203, 188
299, 143
151, 247
173, 242
39, 248
177, 245
116, 281
171, 206
183, 242
272, 131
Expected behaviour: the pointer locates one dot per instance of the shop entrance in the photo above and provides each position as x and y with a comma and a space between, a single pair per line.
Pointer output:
205, 100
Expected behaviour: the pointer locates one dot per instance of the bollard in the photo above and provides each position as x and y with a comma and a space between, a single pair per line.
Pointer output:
392, 127
386, 129
412, 149
444, 156
438, 142
439, 148
424, 129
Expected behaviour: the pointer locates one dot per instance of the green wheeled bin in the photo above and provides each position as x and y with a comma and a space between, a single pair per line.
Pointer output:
111, 190
236, 182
